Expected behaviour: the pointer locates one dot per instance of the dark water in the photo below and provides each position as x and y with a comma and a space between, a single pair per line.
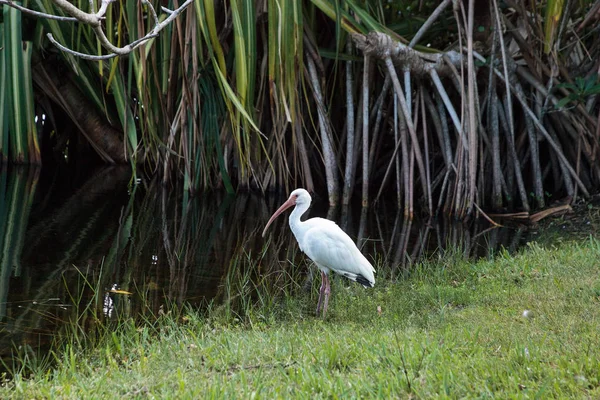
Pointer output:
119, 248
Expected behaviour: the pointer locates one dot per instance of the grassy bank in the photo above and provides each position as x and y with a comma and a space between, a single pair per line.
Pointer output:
450, 329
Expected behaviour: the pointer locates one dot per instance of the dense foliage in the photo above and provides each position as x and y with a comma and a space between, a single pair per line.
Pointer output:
493, 104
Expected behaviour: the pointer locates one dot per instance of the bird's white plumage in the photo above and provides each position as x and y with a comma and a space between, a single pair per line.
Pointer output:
324, 242
327, 245
332, 249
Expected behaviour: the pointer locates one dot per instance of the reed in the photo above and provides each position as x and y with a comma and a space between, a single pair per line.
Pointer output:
18, 134
244, 95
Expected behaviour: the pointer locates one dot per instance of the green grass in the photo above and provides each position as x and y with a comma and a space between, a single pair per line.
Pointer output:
451, 329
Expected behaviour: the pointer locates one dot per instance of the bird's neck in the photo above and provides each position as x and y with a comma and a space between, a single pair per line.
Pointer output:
296, 223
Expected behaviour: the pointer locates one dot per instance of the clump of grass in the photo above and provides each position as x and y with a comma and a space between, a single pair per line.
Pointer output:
251, 295
450, 329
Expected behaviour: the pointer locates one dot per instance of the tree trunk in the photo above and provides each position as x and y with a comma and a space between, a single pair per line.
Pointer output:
55, 82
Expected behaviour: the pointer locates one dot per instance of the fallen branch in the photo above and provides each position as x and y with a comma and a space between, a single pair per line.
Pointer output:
520, 216
487, 217
534, 218
550, 211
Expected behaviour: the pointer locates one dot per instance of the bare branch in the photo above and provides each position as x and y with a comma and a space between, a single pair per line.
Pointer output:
37, 14
81, 16
94, 19
152, 10
78, 54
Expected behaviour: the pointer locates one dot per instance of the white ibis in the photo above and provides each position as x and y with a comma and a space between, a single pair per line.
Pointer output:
327, 245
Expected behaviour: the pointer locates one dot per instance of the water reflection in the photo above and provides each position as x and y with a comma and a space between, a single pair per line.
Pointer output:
109, 248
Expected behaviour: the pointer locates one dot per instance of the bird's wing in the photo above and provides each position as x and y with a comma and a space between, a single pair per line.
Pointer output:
329, 246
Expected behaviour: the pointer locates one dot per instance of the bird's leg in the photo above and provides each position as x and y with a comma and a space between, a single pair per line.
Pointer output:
321, 290
327, 291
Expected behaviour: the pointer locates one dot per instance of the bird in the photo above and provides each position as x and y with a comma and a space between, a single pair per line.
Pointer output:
327, 245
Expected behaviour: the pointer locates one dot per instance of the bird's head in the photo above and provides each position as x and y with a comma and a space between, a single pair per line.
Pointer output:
298, 197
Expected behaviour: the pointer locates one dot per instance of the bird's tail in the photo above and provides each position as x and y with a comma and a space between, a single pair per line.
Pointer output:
366, 282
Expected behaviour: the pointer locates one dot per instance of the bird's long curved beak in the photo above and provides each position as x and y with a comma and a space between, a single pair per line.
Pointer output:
289, 203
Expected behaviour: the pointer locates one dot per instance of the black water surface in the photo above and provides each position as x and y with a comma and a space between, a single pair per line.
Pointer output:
122, 247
